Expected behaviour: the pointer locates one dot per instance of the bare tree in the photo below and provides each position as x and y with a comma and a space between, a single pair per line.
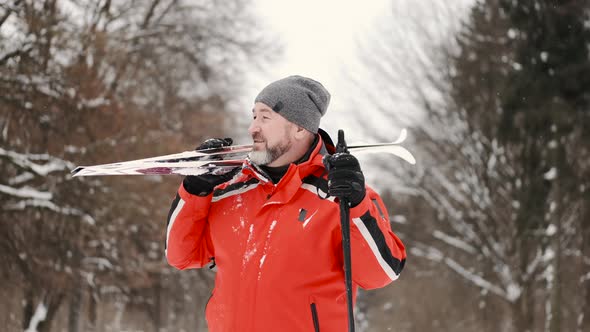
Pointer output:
86, 82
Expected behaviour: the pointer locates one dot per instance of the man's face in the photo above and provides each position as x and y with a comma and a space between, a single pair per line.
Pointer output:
271, 134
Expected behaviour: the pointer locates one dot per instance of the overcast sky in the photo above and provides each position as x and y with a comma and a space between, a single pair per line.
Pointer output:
319, 37
319, 34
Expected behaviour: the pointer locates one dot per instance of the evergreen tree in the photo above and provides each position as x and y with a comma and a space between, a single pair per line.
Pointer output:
522, 84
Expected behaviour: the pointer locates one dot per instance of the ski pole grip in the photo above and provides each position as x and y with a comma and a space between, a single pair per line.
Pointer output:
341, 145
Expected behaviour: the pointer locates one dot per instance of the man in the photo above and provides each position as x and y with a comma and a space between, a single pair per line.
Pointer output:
272, 227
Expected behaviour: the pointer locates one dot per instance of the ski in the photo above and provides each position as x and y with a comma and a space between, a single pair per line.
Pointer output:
193, 162
194, 167
217, 160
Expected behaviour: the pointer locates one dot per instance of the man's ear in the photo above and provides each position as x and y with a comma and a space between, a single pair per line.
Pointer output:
300, 133
303, 135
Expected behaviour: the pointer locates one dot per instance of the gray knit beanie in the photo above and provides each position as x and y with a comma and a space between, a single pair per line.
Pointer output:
298, 99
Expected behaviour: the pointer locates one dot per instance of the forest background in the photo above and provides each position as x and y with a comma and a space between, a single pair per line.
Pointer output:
494, 215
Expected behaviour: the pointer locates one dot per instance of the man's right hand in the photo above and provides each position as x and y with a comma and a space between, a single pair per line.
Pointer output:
215, 143
202, 185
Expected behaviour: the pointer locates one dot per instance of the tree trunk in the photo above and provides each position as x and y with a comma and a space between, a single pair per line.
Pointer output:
584, 314
28, 308
74, 314
522, 312
52, 301
90, 325
553, 319
157, 306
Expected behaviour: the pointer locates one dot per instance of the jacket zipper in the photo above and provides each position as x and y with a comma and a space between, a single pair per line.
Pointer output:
314, 316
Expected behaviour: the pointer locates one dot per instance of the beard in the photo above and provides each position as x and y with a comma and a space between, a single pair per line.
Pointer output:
269, 153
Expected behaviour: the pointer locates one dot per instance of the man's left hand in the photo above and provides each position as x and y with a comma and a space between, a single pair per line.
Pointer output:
345, 178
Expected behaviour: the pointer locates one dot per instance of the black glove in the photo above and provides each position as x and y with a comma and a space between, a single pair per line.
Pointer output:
215, 143
345, 178
202, 185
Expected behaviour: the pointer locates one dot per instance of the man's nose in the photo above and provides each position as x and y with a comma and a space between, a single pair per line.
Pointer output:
254, 128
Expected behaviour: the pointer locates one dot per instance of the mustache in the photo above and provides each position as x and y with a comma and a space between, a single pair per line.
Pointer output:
257, 137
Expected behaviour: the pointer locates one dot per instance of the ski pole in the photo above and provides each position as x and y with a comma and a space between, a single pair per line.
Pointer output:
345, 223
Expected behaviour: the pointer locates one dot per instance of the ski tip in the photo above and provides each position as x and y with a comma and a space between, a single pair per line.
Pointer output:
76, 170
402, 136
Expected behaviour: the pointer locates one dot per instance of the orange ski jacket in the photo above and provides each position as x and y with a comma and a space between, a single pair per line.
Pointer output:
278, 249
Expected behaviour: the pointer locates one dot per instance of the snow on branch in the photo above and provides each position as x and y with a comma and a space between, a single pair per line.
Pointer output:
47, 204
101, 262
535, 263
453, 241
510, 293
26, 192
24, 177
93, 103
52, 164
451, 189
31, 197
39, 199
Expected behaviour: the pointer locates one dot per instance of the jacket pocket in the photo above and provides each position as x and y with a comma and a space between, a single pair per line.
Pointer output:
314, 316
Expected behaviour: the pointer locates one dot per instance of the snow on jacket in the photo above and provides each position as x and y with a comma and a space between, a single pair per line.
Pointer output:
278, 249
